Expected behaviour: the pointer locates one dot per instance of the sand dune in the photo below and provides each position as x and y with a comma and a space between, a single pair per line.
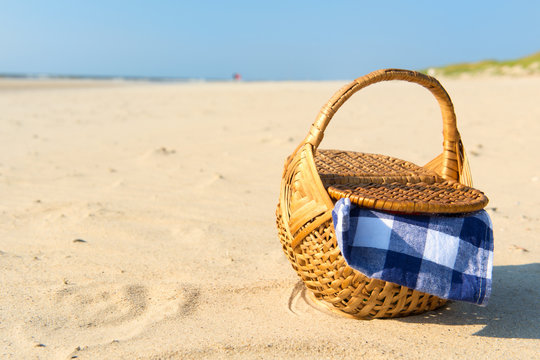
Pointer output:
137, 219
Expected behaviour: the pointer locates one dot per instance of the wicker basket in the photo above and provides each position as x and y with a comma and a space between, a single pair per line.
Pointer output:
313, 180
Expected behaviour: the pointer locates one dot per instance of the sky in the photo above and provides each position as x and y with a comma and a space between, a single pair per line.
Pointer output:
261, 40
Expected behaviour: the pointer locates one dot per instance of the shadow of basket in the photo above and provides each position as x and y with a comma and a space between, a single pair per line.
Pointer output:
513, 310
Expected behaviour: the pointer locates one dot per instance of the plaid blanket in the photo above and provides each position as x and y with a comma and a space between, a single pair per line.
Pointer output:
447, 256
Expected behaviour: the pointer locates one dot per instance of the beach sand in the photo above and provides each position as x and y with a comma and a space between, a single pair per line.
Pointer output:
137, 220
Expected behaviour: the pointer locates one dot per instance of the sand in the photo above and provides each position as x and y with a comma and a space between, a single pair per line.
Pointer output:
137, 219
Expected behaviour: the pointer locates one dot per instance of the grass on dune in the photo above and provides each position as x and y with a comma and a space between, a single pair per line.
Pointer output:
526, 65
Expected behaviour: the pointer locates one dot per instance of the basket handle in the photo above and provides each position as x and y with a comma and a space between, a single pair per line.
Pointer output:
452, 166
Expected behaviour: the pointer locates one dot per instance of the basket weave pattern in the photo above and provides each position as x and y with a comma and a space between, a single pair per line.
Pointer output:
341, 167
305, 206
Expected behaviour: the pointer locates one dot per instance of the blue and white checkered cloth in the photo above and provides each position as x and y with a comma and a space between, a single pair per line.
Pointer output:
447, 256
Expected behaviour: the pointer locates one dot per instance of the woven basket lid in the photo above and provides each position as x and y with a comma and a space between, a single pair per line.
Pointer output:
447, 197
385, 183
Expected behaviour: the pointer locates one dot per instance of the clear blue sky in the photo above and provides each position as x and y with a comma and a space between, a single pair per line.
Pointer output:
261, 40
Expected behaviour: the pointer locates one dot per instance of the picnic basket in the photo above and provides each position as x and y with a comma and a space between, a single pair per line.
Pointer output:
314, 179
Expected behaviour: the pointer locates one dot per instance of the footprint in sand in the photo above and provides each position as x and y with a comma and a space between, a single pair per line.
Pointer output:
87, 314
105, 305
101, 304
191, 299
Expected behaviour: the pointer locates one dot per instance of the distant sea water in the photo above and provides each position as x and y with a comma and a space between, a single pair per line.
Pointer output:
108, 77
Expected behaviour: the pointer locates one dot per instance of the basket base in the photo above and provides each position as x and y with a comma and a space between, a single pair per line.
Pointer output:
330, 309
326, 307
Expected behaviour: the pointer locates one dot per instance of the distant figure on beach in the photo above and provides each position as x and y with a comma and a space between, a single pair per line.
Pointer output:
237, 77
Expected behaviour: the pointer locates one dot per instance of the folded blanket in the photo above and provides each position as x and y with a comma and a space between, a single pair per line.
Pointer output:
448, 256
